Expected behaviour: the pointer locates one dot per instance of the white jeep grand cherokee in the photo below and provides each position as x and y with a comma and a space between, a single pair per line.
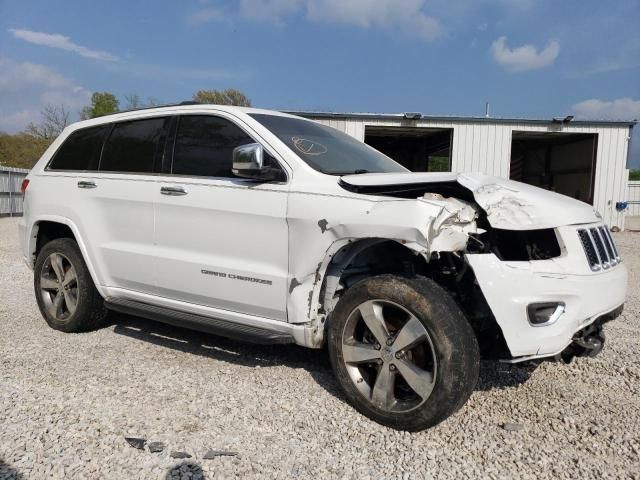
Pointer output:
270, 228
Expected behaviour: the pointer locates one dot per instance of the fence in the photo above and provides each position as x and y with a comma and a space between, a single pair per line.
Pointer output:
10, 195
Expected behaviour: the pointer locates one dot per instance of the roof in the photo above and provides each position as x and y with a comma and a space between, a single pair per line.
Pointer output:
174, 109
454, 118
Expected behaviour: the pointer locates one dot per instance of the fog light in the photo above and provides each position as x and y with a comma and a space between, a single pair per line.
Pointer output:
543, 314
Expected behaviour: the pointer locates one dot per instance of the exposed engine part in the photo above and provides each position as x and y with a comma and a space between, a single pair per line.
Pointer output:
589, 341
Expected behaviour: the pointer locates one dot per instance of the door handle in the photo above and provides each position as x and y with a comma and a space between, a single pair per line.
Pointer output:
83, 184
173, 191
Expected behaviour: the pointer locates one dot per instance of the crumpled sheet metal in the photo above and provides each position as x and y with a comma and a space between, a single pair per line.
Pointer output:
429, 224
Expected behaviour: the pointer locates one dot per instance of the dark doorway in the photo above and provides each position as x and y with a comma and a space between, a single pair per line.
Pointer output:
418, 149
561, 162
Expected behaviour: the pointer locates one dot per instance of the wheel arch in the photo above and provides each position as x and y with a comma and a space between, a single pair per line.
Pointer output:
310, 297
361, 259
400, 258
49, 227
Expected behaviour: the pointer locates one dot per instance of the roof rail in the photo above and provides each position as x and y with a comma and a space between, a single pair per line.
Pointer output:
149, 107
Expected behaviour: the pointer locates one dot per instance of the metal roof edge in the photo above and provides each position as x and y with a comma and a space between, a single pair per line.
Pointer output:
454, 118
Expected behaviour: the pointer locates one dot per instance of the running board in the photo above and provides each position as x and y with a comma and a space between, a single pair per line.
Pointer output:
224, 328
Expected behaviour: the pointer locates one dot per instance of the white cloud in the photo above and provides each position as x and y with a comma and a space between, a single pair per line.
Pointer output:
55, 40
405, 16
619, 109
526, 57
205, 15
17, 76
22, 118
396, 16
25, 88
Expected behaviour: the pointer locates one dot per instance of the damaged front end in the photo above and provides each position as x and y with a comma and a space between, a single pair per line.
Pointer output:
365, 238
500, 247
449, 231
479, 214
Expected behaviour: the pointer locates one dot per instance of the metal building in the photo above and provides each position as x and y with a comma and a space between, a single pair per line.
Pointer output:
583, 159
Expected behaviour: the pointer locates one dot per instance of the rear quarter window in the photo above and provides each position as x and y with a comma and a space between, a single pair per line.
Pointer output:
81, 150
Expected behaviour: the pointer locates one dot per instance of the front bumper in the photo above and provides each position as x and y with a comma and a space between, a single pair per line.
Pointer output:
586, 342
509, 287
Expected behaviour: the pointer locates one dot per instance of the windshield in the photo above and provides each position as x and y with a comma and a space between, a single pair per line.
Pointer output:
327, 149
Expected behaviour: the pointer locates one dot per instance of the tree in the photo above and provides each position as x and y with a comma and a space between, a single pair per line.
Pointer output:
133, 101
21, 150
102, 103
54, 120
634, 175
230, 96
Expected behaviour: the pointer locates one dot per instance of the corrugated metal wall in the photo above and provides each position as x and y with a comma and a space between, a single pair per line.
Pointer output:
10, 195
485, 147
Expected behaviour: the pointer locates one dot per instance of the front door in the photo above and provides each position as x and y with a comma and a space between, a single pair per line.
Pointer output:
221, 241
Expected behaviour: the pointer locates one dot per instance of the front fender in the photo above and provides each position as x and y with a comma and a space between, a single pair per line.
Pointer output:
321, 225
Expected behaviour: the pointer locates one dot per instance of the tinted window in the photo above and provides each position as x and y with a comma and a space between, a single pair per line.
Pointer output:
204, 146
81, 150
135, 146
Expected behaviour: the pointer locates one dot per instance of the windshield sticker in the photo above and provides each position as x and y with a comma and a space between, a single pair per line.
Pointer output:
308, 147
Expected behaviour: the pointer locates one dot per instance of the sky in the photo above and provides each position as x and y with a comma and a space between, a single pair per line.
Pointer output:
527, 58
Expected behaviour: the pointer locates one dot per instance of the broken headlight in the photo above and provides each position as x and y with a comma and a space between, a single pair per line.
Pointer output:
525, 245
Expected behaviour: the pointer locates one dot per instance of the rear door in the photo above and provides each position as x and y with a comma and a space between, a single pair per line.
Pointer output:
117, 203
222, 241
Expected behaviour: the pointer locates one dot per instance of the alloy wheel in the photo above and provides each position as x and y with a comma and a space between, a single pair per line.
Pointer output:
59, 286
389, 356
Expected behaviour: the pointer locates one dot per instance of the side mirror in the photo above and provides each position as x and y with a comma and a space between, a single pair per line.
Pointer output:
248, 162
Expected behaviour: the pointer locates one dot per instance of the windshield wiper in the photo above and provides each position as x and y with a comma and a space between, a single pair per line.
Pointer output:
349, 172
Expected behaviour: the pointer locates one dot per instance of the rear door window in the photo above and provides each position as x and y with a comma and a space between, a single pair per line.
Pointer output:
136, 146
204, 146
81, 150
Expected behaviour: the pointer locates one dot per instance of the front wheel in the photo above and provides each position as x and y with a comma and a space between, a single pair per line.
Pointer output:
403, 352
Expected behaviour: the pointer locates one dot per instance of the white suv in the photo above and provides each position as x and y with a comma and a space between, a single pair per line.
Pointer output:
271, 228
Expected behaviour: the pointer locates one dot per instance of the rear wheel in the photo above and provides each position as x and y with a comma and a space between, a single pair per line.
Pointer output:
65, 292
402, 351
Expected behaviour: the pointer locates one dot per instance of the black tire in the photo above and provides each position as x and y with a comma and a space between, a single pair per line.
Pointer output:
454, 351
88, 312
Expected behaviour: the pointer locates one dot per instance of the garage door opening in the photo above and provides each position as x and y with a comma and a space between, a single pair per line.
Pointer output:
561, 162
418, 149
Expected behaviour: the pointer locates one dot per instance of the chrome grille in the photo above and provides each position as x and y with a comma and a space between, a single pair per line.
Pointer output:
599, 247
612, 244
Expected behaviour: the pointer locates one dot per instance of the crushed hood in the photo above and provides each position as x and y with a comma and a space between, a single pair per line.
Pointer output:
508, 204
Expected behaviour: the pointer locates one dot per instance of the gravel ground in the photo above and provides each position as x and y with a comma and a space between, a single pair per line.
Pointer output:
68, 400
